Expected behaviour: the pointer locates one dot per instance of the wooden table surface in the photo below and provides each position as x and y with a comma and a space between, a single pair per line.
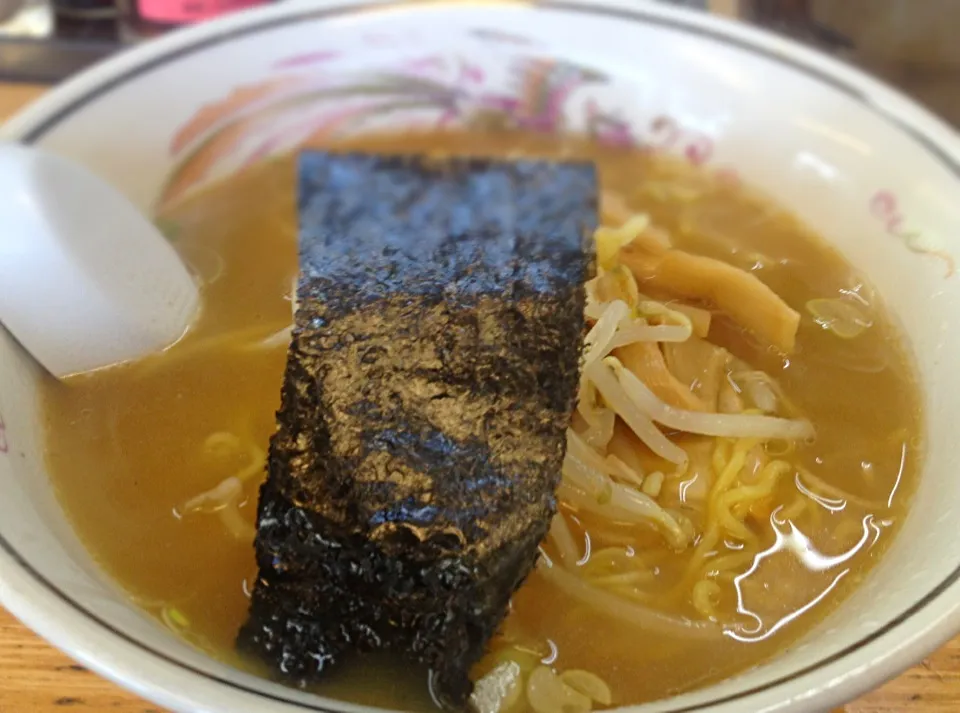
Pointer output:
36, 678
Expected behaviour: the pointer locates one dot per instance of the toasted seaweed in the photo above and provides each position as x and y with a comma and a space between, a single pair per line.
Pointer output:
429, 384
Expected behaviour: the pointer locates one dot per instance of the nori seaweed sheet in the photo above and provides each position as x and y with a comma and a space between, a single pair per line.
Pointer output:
431, 377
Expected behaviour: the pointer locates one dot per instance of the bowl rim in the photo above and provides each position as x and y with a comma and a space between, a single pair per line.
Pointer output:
930, 133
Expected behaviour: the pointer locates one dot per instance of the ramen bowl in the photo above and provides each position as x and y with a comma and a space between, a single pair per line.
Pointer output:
865, 167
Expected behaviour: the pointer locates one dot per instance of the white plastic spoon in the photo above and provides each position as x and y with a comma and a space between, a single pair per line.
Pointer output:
86, 281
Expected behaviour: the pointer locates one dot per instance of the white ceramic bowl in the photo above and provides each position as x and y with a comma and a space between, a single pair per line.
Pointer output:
869, 169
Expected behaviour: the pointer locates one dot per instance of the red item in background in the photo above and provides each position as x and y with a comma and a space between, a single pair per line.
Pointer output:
142, 19
181, 12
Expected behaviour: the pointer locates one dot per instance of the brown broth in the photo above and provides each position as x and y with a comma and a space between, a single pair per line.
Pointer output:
125, 445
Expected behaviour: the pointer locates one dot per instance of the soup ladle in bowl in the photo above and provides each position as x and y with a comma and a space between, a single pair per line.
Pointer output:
86, 281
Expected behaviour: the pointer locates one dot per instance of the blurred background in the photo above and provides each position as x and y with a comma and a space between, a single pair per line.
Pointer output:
910, 43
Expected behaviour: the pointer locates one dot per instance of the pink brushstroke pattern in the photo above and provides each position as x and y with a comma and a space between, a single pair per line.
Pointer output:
456, 89
300, 131
471, 73
423, 64
665, 132
498, 36
886, 208
699, 150
883, 205
447, 118
303, 60
263, 151
608, 129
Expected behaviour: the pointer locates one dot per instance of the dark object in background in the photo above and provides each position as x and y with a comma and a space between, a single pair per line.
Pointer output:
796, 19
428, 389
86, 19
47, 61
906, 42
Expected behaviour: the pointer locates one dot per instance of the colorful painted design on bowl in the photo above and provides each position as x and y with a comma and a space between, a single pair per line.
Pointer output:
311, 98
885, 206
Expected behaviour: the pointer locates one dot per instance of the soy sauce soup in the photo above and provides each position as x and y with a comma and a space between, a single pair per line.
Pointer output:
158, 463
